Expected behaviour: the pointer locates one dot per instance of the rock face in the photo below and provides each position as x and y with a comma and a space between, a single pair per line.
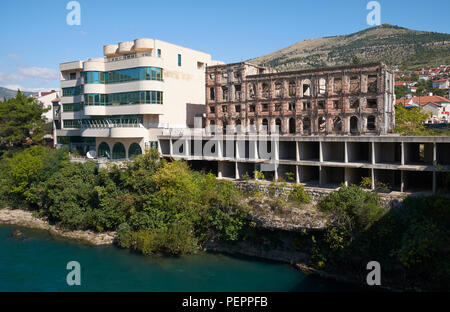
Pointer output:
26, 219
17, 234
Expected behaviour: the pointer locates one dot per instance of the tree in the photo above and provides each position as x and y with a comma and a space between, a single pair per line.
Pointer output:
21, 122
410, 121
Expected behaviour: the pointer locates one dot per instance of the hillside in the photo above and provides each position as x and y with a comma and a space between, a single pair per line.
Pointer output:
390, 44
8, 93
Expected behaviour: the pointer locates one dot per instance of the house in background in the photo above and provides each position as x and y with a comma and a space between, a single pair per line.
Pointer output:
438, 106
47, 98
441, 84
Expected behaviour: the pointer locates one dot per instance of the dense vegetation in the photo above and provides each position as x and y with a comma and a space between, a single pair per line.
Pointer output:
411, 242
156, 206
410, 122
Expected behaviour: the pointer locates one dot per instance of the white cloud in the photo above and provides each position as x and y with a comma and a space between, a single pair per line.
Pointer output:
10, 78
14, 87
39, 73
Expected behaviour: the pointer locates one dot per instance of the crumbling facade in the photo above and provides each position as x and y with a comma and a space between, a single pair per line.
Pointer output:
350, 100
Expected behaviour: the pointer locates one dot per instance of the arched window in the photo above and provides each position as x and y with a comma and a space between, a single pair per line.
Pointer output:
306, 124
103, 150
322, 123
337, 124
224, 127
322, 86
292, 88
252, 91
134, 151
306, 87
292, 125
265, 90
278, 125
118, 151
238, 126
265, 125
371, 123
354, 124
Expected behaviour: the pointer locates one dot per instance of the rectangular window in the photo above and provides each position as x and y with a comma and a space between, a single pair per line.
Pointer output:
179, 59
73, 76
159, 52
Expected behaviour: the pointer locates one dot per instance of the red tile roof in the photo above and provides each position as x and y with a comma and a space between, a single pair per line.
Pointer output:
423, 100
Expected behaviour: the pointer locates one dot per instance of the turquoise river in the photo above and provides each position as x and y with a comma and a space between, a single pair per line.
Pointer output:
38, 263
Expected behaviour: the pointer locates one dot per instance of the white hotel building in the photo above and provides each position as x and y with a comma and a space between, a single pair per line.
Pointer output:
120, 103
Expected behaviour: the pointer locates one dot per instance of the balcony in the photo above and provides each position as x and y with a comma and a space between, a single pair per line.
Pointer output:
76, 65
114, 131
111, 110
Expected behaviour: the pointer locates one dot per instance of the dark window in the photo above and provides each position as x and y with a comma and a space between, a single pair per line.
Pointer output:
73, 76
237, 108
179, 59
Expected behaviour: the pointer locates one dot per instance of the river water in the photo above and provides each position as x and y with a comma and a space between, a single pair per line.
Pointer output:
38, 263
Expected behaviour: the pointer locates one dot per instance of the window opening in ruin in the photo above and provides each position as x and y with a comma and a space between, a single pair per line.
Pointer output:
322, 124
252, 91
291, 107
354, 124
265, 107
306, 89
321, 104
372, 103
237, 108
252, 108
337, 124
292, 88
306, 124
371, 123
224, 108
225, 93
372, 84
306, 105
212, 109
354, 84
337, 86
237, 90
337, 104
354, 103
211, 94
265, 90
278, 89
322, 86
278, 107
292, 125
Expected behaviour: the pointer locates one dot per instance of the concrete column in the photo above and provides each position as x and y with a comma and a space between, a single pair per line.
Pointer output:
321, 179
346, 175
402, 156
171, 147
236, 146
434, 182
434, 153
345, 152
220, 170
254, 170
297, 174
372, 174
186, 147
219, 148
236, 171
276, 172
373, 153
297, 153
320, 152
402, 181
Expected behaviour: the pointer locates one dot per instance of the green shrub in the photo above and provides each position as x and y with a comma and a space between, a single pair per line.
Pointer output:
299, 195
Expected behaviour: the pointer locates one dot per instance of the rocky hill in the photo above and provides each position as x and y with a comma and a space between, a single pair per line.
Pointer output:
8, 93
390, 44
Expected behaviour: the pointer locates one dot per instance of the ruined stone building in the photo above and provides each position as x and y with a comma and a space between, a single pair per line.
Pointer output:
344, 100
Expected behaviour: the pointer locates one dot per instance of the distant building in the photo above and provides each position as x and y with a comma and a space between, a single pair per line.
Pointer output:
441, 84
46, 98
437, 105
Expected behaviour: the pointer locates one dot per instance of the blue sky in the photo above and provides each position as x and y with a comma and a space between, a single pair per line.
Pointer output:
35, 37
